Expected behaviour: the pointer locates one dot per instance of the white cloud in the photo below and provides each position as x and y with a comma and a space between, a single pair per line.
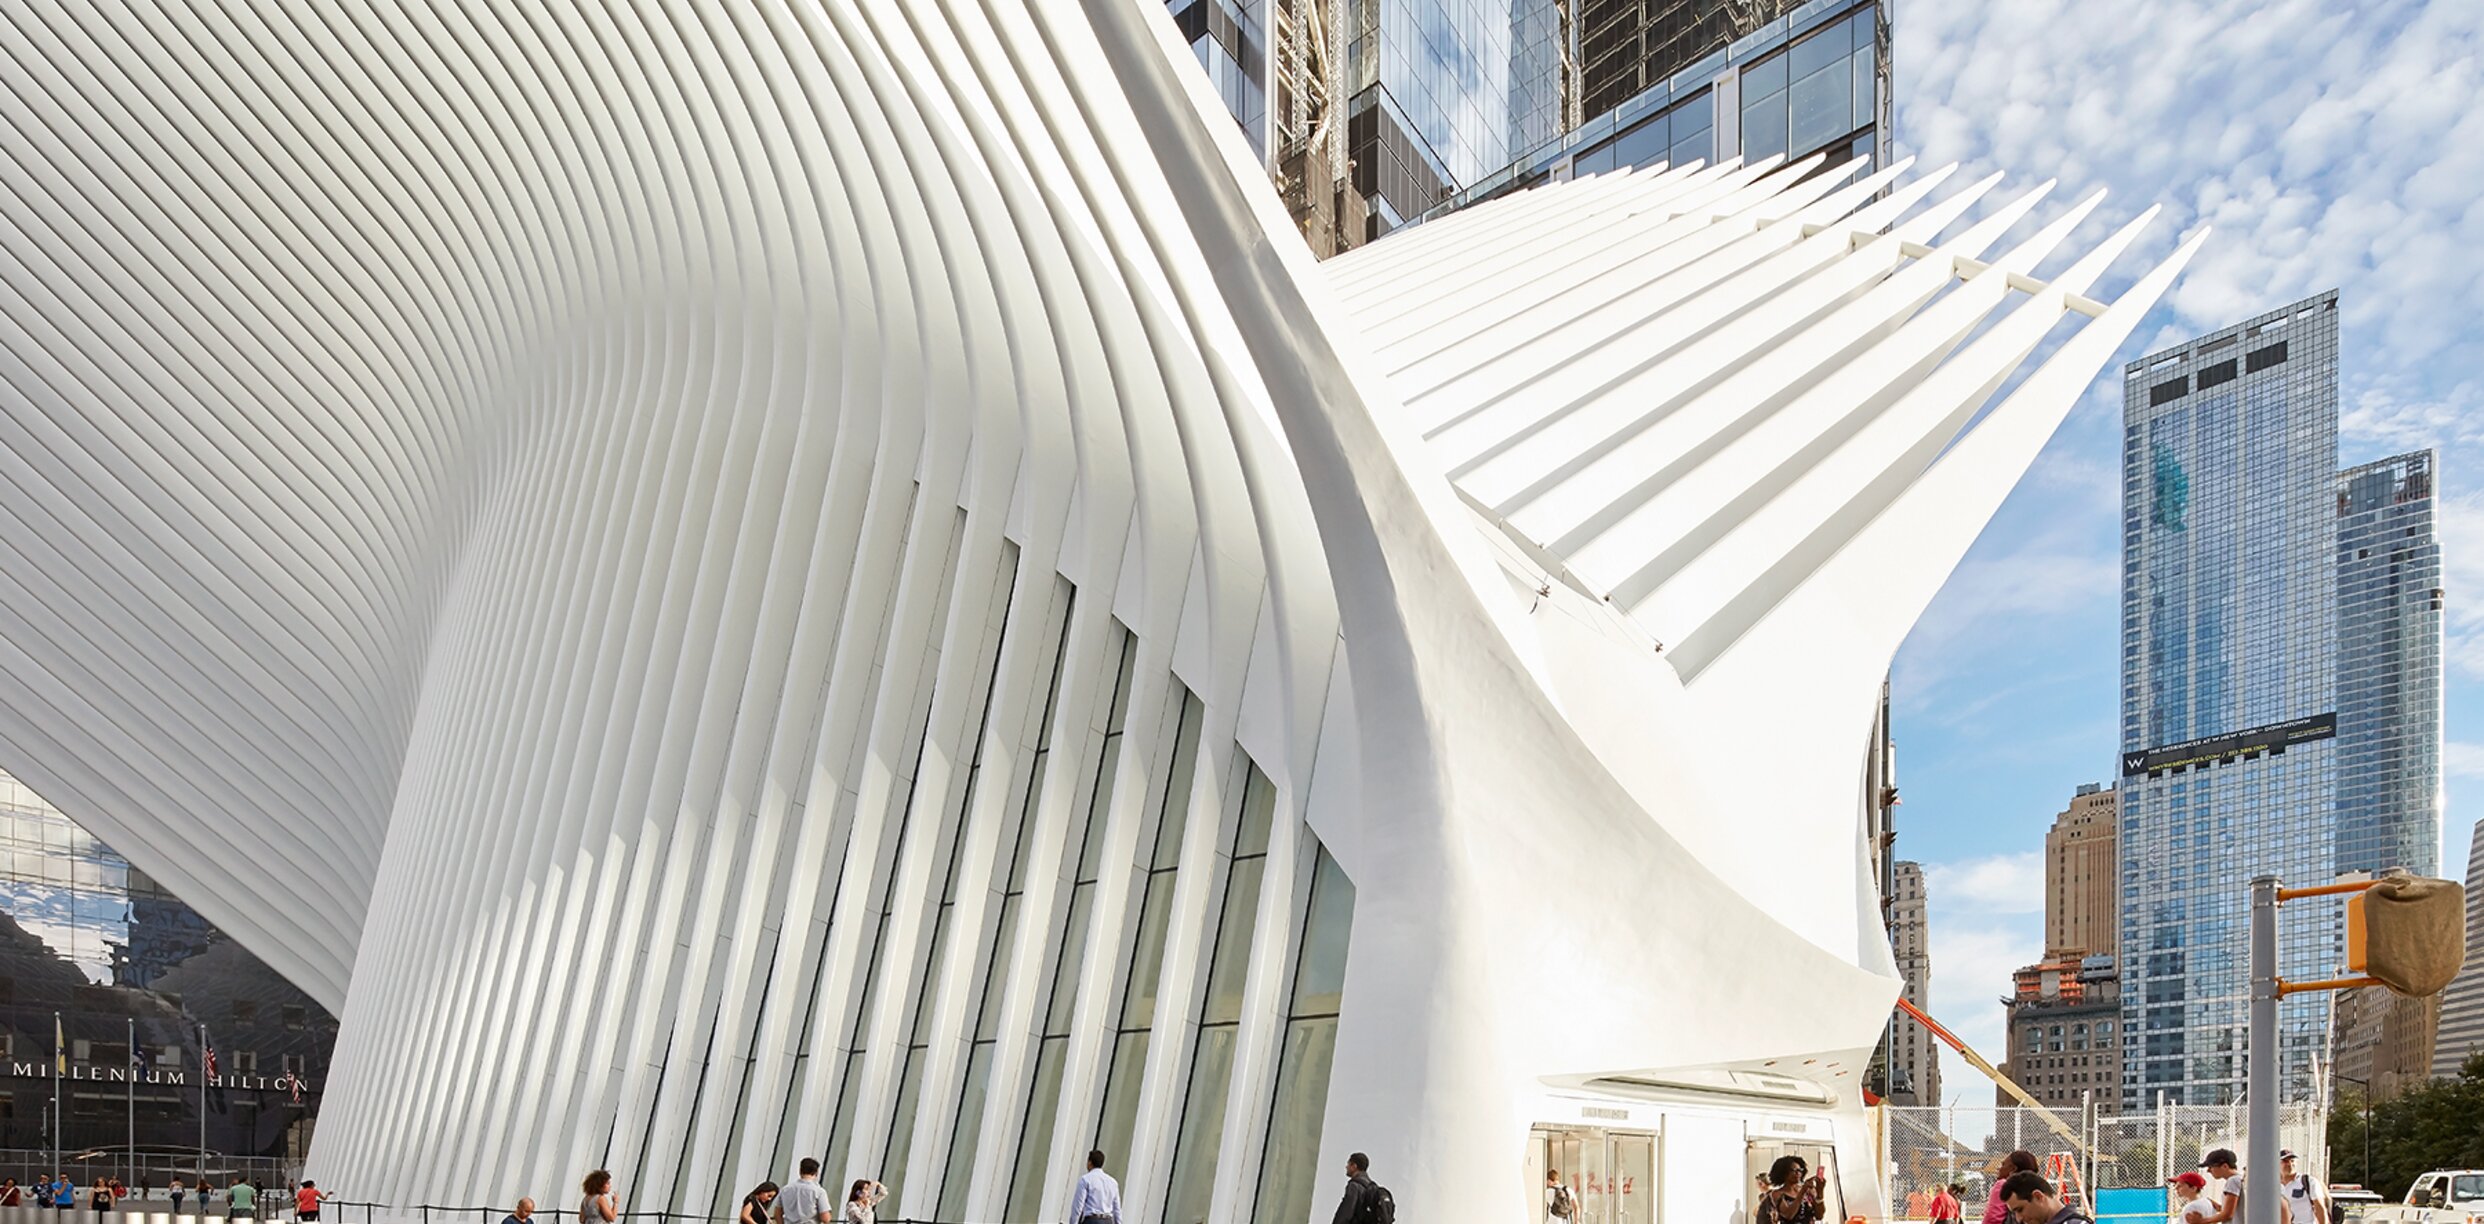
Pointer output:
1994, 884
1973, 956
2329, 145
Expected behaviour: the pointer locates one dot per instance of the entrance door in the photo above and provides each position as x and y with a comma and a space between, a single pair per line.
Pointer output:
1634, 1172
1611, 1174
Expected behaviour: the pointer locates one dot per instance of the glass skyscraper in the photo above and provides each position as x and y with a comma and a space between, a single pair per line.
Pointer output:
2388, 668
2229, 692
2281, 688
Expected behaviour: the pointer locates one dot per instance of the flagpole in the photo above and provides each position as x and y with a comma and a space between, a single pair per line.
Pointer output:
60, 1060
132, 1165
205, 1056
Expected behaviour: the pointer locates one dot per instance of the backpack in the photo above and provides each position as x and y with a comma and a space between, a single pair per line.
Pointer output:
1377, 1207
1563, 1206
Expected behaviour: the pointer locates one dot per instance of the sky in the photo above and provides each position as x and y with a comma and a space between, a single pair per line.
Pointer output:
2328, 145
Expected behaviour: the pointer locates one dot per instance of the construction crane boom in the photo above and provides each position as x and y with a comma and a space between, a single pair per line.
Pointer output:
2068, 1133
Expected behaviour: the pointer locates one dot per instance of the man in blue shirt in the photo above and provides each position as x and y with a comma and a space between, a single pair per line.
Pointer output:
1097, 1200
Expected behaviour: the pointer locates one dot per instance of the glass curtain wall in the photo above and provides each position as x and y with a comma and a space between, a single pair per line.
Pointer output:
1220, 1012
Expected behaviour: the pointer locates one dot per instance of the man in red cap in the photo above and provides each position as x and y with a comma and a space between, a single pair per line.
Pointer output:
2193, 1205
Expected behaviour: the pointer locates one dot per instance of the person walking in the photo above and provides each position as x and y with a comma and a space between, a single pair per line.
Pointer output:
1559, 1203
756, 1204
805, 1201
10, 1195
523, 1213
176, 1192
1366, 1201
100, 1200
242, 1201
64, 1194
1946, 1208
1997, 1210
2307, 1201
1097, 1197
2220, 1165
306, 1201
862, 1203
600, 1206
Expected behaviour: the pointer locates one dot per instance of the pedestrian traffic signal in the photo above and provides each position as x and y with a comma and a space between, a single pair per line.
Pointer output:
2408, 932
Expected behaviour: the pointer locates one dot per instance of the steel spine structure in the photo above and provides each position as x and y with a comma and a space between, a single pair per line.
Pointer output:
746, 580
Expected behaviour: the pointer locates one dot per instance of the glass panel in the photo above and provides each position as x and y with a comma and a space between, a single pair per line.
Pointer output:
1818, 52
1319, 977
1174, 818
1026, 1184
1258, 813
1091, 842
1648, 142
1866, 100
1595, 161
1692, 117
1763, 127
1203, 1128
1698, 147
1862, 30
1138, 1009
1289, 1174
1823, 108
1121, 1096
1226, 976
987, 1019
1065, 970
901, 1130
841, 1132
962, 1143
1763, 78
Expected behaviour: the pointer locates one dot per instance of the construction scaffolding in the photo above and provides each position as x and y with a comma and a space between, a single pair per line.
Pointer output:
2128, 1156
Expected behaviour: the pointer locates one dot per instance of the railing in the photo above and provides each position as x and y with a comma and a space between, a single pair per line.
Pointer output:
150, 1170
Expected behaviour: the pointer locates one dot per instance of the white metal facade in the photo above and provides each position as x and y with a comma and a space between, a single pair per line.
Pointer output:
744, 580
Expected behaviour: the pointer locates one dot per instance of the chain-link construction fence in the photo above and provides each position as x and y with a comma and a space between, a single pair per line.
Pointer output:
2116, 1163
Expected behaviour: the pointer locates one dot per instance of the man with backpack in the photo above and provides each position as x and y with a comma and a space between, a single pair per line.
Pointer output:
1559, 1203
1366, 1201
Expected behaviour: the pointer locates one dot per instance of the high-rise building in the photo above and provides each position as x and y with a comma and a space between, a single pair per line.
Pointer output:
2461, 1033
1914, 1076
2229, 691
2060, 1044
2388, 668
2383, 1041
2081, 901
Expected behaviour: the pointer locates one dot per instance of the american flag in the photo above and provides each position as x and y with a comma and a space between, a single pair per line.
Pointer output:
294, 1082
211, 1062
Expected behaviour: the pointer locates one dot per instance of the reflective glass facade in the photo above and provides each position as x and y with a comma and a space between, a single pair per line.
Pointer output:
1230, 37
1813, 81
2229, 673
1436, 91
87, 937
2388, 668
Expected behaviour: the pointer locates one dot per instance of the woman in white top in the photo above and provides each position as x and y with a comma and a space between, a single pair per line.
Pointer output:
2190, 1205
600, 1205
861, 1201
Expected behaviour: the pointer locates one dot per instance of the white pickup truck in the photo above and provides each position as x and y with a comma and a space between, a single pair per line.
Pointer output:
2443, 1196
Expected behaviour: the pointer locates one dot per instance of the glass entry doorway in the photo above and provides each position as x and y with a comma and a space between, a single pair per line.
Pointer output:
1611, 1173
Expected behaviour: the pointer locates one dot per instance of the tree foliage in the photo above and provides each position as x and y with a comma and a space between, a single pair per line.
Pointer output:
2437, 1126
